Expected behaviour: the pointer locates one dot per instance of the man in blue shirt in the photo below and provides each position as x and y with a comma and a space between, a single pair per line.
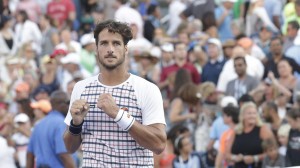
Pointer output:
46, 144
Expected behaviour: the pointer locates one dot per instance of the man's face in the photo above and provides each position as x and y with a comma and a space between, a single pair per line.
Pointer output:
213, 51
240, 67
291, 32
276, 47
111, 50
180, 51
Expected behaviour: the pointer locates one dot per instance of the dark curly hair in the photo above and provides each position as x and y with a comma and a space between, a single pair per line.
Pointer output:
114, 27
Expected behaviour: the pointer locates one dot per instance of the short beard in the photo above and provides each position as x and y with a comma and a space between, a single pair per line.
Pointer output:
111, 67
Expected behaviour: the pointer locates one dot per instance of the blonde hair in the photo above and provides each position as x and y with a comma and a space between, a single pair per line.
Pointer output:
240, 126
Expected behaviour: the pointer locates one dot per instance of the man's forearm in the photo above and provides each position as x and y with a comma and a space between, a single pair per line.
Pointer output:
72, 142
152, 137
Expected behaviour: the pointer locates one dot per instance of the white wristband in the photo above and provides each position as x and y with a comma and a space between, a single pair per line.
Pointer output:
124, 120
119, 115
256, 158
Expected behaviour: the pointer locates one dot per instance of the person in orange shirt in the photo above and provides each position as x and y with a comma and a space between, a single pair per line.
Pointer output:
231, 118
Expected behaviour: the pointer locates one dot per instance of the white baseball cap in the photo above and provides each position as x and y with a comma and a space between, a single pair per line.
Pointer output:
22, 117
72, 58
227, 100
167, 47
87, 39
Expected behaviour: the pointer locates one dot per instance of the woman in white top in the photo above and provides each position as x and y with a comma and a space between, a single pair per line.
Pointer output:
7, 41
27, 31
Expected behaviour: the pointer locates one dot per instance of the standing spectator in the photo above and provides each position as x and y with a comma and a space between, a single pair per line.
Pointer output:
293, 146
224, 17
62, 12
244, 82
46, 143
214, 65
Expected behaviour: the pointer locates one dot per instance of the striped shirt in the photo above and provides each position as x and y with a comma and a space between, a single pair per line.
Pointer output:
104, 143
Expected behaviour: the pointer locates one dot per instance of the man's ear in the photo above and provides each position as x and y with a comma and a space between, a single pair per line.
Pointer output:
126, 49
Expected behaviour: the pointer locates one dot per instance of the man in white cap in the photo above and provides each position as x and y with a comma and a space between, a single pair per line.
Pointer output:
214, 66
167, 55
88, 54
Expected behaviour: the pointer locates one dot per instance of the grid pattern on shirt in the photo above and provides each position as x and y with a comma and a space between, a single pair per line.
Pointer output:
104, 143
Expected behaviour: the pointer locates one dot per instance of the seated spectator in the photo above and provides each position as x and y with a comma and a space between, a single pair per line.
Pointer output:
21, 137
254, 68
41, 109
185, 108
244, 147
244, 83
283, 138
147, 64
215, 63
273, 158
287, 79
230, 118
184, 152
292, 153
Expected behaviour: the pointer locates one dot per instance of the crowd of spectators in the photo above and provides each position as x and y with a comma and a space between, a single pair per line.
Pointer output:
228, 70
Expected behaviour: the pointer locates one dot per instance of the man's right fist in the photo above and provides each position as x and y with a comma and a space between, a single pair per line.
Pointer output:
79, 109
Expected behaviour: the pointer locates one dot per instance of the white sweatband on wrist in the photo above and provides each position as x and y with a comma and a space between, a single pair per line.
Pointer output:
256, 158
124, 120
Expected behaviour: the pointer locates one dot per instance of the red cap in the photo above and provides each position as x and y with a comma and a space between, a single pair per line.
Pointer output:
58, 52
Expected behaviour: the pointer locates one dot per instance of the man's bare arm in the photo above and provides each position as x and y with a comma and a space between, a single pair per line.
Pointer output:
72, 142
152, 137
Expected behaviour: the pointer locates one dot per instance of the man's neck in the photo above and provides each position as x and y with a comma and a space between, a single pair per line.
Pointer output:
180, 63
277, 57
113, 77
242, 77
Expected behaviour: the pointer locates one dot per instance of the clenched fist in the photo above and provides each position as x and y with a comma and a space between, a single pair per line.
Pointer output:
79, 109
108, 104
